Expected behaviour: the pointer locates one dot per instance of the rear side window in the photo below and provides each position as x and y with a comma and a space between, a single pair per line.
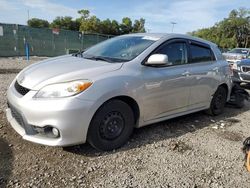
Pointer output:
200, 53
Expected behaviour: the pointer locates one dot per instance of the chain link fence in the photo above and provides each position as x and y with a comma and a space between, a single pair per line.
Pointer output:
17, 40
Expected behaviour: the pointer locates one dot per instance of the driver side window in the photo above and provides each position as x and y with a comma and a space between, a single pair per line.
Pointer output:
176, 52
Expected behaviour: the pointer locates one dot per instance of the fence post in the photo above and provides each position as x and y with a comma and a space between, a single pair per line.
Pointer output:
82, 35
15, 33
27, 51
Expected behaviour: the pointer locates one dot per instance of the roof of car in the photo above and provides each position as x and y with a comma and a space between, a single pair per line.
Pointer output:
173, 35
242, 48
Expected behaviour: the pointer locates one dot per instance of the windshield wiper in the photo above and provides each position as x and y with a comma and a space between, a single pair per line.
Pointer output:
77, 54
100, 58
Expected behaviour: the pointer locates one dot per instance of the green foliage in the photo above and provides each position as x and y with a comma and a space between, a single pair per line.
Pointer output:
65, 23
233, 31
84, 13
126, 26
39, 23
139, 26
91, 24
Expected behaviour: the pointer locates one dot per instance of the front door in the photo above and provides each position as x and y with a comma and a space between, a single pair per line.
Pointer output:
166, 89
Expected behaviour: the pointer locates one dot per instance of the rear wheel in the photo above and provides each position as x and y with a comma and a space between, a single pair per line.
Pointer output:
239, 101
111, 126
218, 102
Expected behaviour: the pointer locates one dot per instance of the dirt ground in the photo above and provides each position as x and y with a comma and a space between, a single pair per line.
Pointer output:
196, 150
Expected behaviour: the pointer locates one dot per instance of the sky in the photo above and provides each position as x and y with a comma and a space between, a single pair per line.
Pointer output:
189, 15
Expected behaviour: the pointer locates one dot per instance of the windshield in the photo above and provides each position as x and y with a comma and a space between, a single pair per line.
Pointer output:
239, 51
119, 49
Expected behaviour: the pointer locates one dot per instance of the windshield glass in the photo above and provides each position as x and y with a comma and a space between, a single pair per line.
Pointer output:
239, 51
119, 49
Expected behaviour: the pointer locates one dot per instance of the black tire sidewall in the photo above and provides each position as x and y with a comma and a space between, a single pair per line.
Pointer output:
94, 137
214, 111
240, 101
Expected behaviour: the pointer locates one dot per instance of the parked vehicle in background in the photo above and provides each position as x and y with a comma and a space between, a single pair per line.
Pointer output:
224, 50
241, 71
128, 81
237, 54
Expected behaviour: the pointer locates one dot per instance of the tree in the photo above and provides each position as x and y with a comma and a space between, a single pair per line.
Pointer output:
126, 26
91, 24
65, 23
115, 28
84, 20
84, 13
233, 31
138, 26
87, 23
106, 26
35, 22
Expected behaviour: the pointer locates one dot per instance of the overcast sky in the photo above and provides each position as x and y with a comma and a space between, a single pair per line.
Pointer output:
188, 14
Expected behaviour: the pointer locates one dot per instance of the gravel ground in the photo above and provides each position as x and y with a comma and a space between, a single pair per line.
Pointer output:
191, 151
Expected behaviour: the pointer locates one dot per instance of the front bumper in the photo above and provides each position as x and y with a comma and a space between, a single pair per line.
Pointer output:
232, 61
71, 116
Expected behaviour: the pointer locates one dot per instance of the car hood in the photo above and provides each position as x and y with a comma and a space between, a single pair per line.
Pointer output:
62, 69
233, 55
244, 62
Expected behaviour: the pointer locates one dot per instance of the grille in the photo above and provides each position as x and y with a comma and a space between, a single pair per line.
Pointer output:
246, 69
16, 115
229, 57
245, 77
20, 89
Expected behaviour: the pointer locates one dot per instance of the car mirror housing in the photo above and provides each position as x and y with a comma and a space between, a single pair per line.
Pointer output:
158, 59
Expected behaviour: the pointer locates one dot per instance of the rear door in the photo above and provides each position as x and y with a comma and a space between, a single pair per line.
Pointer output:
204, 74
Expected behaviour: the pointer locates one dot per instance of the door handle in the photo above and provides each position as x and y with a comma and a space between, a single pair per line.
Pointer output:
216, 69
186, 73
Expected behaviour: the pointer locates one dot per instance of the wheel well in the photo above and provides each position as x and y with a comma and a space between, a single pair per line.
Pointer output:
133, 105
225, 87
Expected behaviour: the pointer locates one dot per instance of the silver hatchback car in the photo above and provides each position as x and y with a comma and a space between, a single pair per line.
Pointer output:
129, 81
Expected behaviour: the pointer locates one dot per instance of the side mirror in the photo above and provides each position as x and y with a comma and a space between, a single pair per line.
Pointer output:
158, 59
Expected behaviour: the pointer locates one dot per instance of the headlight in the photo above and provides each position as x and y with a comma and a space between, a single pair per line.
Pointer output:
65, 89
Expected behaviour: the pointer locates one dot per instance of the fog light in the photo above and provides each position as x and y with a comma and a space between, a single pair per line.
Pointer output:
55, 132
39, 130
48, 131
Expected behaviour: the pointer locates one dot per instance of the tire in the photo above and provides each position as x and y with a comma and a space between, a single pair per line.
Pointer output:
218, 102
239, 101
111, 126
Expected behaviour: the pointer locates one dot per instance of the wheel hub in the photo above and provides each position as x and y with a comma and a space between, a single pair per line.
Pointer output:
112, 126
219, 101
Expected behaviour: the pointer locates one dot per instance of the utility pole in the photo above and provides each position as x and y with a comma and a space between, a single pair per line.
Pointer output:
28, 12
173, 23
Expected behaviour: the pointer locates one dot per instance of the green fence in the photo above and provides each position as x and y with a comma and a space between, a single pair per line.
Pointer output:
43, 42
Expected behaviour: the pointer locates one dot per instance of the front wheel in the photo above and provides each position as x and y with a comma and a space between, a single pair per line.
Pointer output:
218, 102
111, 126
